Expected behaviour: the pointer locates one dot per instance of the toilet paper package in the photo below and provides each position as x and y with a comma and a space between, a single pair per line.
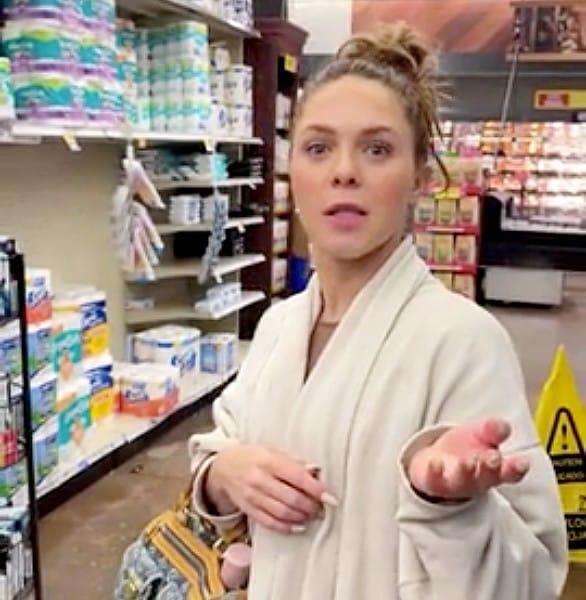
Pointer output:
189, 39
7, 112
146, 390
218, 85
94, 99
220, 118
102, 397
173, 77
126, 39
10, 353
158, 115
195, 78
48, 97
144, 114
98, 55
74, 416
99, 16
197, 115
66, 348
218, 353
113, 106
157, 78
169, 345
42, 45
220, 57
46, 449
174, 114
240, 117
91, 306
238, 85
65, 11
39, 305
40, 346
43, 396
157, 42
127, 74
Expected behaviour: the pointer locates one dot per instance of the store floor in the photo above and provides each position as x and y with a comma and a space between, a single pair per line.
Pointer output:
81, 542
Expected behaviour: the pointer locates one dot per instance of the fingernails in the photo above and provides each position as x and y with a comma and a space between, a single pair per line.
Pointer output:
298, 529
522, 465
436, 466
494, 462
330, 500
314, 470
504, 429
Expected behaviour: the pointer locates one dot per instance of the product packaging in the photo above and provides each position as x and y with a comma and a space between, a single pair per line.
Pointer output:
98, 371
46, 449
469, 210
465, 250
443, 249
424, 246
10, 354
39, 305
218, 353
43, 397
67, 347
7, 112
74, 415
447, 212
445, 278
424, 213
40, 346
465, 285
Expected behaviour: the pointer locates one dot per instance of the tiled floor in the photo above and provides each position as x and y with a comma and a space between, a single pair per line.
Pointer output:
81, 542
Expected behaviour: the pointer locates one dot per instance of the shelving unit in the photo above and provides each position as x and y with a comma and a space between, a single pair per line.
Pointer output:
163, 186
236, 223
275, 58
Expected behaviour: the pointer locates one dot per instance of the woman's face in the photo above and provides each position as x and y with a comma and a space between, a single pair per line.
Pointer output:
353, 169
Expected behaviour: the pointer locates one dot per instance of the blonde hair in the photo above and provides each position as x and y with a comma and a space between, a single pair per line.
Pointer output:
396, 56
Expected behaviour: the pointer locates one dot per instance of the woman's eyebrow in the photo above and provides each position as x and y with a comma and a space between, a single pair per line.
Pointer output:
367, 131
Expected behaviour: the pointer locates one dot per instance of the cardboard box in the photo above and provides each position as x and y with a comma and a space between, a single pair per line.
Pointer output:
469, 210
443, 249
446, 212
465, 250
424, 212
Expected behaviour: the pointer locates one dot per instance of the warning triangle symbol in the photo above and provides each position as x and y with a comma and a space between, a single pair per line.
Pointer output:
564, 437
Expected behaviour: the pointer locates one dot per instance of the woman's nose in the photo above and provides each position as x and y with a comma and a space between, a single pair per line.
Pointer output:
345, 172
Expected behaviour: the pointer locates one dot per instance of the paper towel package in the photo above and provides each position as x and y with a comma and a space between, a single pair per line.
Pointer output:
169, 345
40, 346
43, 397
67, 350
39, 305
98, 370
218, 353
238, 85
146, 390
46, 449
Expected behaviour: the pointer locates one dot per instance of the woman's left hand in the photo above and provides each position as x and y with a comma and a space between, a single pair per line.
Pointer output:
465, 462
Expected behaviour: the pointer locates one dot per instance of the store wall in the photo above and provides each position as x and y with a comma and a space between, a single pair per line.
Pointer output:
57, 205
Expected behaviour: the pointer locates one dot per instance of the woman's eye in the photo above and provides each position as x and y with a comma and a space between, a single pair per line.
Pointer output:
379, 149
316, 149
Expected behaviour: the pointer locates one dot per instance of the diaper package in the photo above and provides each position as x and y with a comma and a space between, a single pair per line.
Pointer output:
67, 349
102, 397
74, 415
169, 345
6, 91
10, 356
147, 390
218, 353
39, 306
43, 397
91, 306
46, 449
40, 346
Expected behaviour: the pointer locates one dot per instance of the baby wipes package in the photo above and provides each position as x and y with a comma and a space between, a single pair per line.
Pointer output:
42, 45
6, 92
40, 344
170, 345
147, 390
46, 449
67, 350
102, 397
43, 397
10, 354
218, 353
39, 304
74, 416
91, 306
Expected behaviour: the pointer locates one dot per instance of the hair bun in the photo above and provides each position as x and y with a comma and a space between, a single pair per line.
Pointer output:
393, 45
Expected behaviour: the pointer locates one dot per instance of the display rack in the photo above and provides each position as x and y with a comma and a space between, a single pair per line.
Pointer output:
20, 549
275, 58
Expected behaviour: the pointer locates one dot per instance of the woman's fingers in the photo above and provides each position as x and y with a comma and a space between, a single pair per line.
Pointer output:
493, 432
514, 468
297, 501
269, 522
297, 476
276, 509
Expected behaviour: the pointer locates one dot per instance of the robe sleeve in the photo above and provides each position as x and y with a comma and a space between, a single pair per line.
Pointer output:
228, 415
510, 543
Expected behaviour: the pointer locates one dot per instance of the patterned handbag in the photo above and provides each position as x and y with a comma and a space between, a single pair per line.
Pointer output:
178, 557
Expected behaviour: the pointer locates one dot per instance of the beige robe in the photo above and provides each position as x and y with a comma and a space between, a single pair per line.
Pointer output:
408, 360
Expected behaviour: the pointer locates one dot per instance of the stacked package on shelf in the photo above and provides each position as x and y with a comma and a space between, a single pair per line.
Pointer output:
218, 353
63, 61
219, 298
174, 77
16, 560
83, 364
7, 113
238, 11
232, 98
127, 73
279, 275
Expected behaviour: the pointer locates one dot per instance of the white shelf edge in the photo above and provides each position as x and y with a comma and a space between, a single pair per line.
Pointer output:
227, 183
173, 313
236, 223
191, 268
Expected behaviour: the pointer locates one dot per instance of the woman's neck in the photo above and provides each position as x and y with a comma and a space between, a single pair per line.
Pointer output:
341, 280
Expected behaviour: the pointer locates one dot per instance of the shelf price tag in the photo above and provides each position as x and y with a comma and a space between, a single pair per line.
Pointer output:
142, 143
71, 142
291, 63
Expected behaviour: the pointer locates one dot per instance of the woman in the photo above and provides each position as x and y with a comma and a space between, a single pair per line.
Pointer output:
378, 437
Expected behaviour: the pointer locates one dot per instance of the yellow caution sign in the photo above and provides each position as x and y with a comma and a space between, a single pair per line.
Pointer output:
561, 423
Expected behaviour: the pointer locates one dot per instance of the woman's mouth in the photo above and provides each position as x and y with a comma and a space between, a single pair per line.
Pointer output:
346, 216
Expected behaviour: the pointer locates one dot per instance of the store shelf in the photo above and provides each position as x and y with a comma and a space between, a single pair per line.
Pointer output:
105, 438
23, 132
532, 3
463, 269
455, 229
192, 268
237, 223
550, 57
192, 184
525, 226
183, 313
150, 10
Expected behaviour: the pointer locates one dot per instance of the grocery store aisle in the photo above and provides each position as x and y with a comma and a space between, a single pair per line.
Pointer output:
81, 542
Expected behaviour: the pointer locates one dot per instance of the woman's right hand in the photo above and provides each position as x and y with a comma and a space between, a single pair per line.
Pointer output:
271, 488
